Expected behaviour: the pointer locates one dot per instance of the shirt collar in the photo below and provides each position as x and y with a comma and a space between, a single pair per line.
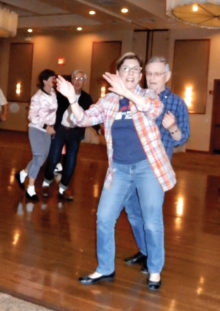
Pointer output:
165, 93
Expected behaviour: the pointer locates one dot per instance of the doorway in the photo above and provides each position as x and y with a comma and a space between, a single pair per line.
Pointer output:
215, 133
104, 56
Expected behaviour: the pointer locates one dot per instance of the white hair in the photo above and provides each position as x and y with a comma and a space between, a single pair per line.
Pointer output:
75, 72
158, 59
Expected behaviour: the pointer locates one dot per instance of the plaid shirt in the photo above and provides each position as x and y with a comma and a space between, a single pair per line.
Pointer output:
105, 110
175, 104
43, 109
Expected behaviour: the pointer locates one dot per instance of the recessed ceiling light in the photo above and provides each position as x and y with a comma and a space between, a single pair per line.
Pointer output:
29, 30
92, 12
124, 10
79, 28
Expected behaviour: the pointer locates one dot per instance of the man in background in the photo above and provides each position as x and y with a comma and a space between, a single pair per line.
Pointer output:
173, 124
68, 135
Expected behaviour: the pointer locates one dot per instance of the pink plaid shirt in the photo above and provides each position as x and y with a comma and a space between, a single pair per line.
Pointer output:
104, 111
43, 109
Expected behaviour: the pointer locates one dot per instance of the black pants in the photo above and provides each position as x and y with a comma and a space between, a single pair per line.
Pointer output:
63, 136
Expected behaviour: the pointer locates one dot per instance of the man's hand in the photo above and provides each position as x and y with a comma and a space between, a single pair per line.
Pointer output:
169, 120
169, 123
2, 117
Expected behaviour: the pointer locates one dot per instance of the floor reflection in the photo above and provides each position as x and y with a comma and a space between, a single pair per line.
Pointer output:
46, 246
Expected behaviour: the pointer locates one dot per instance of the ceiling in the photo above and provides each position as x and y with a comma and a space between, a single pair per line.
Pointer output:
52, 15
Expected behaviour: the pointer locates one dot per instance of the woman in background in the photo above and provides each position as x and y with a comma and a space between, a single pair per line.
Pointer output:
42, 116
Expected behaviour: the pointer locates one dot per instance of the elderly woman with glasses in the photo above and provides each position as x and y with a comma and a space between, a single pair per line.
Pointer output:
137, 160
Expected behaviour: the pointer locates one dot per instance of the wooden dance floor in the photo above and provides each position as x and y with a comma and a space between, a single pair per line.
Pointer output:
46, 246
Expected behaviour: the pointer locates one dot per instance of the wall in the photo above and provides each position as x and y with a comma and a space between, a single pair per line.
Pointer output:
75, 48
201, 123
161, 41
163, 44
4, 56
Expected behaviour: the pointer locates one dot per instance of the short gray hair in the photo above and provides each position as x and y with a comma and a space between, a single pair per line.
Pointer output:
75, 72
158, 59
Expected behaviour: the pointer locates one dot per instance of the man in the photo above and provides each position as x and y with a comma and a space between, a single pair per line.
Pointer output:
66, 134
173, 124
3, 107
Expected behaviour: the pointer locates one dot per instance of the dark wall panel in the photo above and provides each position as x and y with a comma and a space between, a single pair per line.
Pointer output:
20, 71
104, 56
190, 72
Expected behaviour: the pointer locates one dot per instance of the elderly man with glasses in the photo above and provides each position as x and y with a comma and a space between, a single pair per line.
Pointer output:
68, 134
173, 124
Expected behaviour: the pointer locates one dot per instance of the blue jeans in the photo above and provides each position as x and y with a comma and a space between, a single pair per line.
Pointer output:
63, 136
135, 218
127, 178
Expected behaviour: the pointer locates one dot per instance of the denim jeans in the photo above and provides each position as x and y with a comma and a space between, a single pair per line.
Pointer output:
127, 178
135, 218
62, 137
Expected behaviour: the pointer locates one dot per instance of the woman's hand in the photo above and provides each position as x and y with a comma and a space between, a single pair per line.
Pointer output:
116, 84
50, 130
66, 88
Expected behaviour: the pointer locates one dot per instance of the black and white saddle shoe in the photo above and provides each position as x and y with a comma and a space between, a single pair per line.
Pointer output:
21, 184
87, 280
138, 258
153, 285
144, 269
33, 197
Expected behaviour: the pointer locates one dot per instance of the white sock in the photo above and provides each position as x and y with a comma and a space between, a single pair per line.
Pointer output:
95, 275
61, 190
155, 277
45, 184
23, 175
59, 167
31, 190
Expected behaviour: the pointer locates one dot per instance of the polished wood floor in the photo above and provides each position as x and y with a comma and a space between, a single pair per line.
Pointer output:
44, 247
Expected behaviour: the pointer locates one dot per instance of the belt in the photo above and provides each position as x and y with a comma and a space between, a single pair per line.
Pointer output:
67, 127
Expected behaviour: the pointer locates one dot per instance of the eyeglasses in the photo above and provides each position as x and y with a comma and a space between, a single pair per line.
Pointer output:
135, 69
155, 74
78, 78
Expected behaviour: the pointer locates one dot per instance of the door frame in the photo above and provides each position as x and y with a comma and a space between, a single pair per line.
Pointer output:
214, 103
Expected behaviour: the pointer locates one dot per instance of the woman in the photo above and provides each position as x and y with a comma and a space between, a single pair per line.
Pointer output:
42, 115
136, 159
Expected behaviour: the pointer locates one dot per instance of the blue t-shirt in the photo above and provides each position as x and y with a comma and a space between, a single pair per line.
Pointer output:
127, 148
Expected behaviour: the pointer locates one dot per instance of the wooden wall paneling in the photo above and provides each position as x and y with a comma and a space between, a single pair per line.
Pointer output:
190, 69
20, 71
104, 56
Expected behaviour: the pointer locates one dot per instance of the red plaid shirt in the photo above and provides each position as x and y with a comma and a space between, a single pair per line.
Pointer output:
104, 111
